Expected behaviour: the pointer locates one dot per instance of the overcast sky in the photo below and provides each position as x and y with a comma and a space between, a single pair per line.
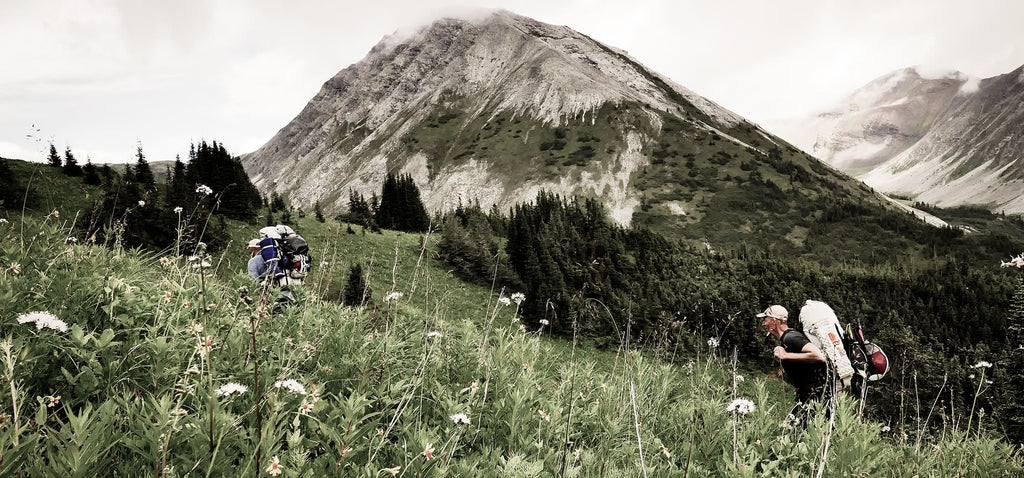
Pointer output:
98, 76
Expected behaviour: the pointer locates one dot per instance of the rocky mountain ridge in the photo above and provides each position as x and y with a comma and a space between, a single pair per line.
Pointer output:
945, 139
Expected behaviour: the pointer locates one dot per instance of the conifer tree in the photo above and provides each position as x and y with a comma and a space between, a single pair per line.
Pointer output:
53, 159
71, 167
400, 207
143, 173
90, 173
318, 212
1010, 409
356, 290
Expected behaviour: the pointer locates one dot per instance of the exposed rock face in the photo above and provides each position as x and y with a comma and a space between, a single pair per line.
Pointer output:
407, 105
946, 140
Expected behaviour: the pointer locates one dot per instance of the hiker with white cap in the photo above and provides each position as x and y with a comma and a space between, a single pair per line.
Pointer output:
802, 362
257, 266
261, 271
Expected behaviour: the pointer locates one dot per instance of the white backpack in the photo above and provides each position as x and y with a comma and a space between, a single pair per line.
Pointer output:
822, 327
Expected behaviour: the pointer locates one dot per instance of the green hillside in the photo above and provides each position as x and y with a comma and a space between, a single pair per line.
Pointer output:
167, 368
152, 338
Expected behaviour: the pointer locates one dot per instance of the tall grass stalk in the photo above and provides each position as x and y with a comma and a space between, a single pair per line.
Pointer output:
636, 424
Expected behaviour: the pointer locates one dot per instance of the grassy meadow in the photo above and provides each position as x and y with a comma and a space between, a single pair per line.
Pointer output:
123, 362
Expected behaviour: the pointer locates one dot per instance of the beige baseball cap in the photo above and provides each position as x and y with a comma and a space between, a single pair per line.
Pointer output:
775, 312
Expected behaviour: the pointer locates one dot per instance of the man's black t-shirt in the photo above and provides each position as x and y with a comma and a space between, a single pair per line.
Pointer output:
802, 375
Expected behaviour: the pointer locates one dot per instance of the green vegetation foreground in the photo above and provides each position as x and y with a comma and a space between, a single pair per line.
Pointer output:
117, 362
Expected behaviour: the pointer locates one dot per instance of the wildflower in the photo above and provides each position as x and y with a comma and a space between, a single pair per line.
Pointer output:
165, 261
526, 367
346, 451
3, 220
55, 213
886, 429
202, 265
664, 451
231, 388
71, 240
324, 264
142, 203
460, 418
292, 385
204, 190
309, 349
393, 296
505, 301
741, 405
52, 401
16, 267
205, 345
194, 328
522, 328
971, 376
394, 471
537, 387
43, 320
713, 342
178, 210
167, 296
428, 451
738, 379
544, 416
518, 297
983, 364
305, 408
275, 467
327, 369
434, 335
544, 322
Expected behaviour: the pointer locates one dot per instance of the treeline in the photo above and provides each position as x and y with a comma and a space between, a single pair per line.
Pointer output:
191, 206
137, 211
585, 275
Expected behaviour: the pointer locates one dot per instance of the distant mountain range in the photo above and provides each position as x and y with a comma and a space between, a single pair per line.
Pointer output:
944, 139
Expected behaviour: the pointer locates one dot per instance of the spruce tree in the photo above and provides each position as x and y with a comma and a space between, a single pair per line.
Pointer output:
318, 212
1010, 407
143, 173
90, 173
71, 167
53, 159
356, 290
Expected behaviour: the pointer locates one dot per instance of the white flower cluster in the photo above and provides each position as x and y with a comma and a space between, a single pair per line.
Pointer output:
231, 388
713, 342
291, 385
741, 406
505, 301
460, 418
983, 364
204, 190
434, 335
43, 320
544, 322
518, 297
393, 296
178, 210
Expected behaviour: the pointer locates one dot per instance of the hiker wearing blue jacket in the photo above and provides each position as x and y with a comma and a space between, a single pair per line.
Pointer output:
802, 362
263, 271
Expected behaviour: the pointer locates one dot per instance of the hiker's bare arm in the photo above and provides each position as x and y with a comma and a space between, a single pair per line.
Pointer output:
810, 353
